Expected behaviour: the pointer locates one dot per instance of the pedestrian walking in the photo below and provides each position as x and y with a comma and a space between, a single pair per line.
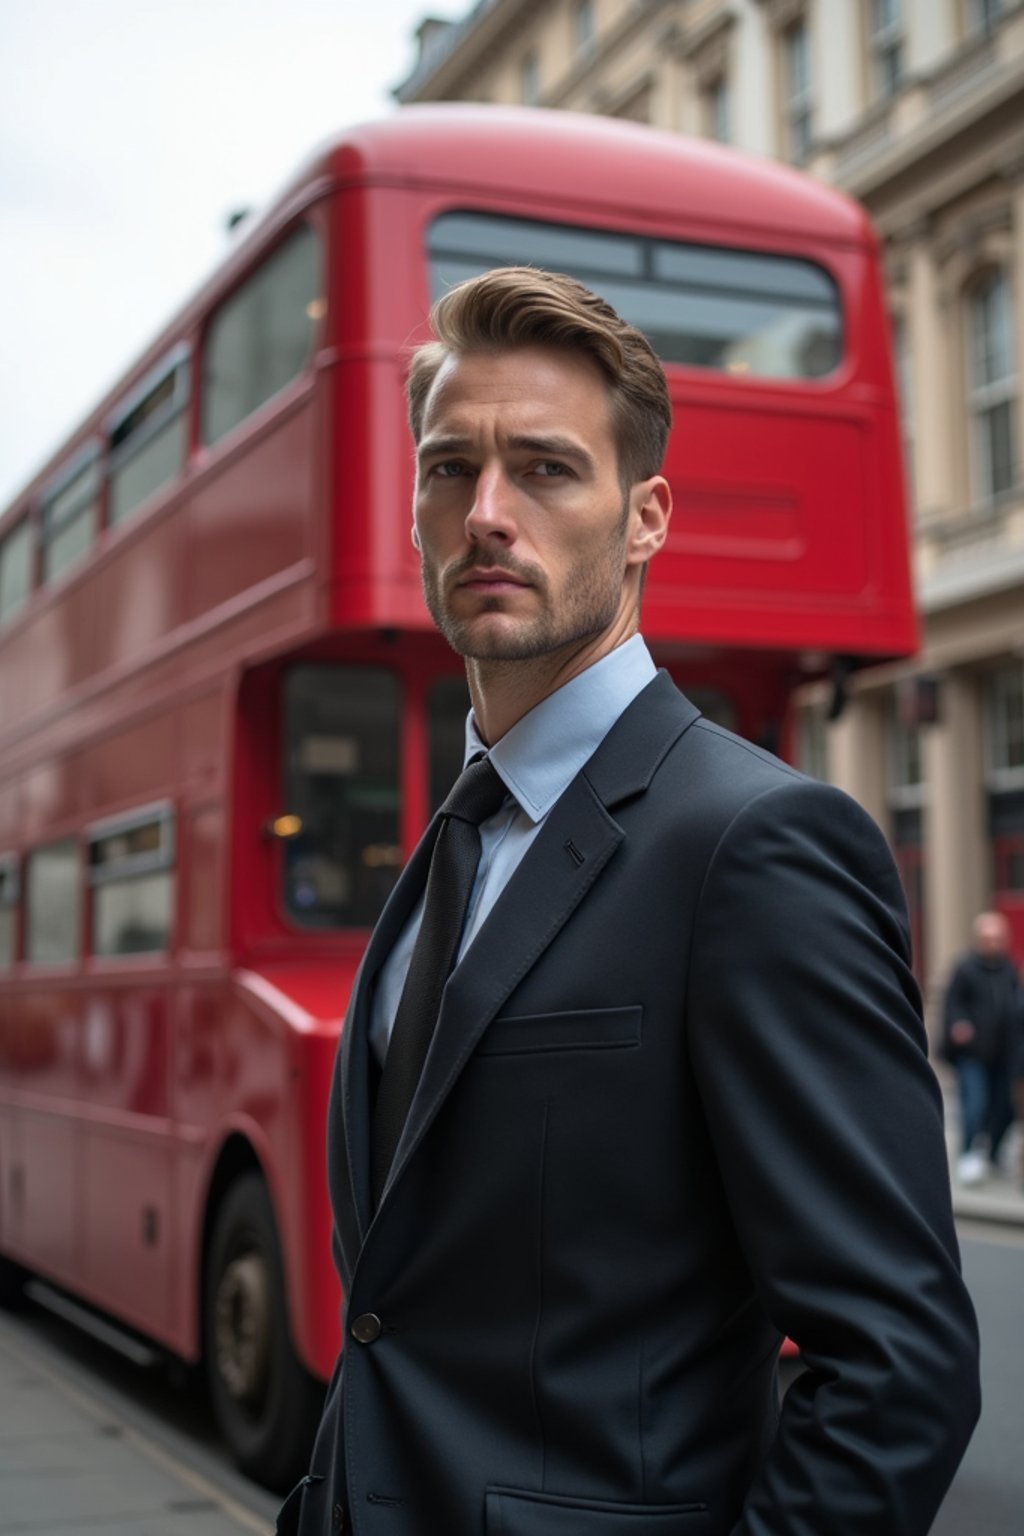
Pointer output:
980, 1039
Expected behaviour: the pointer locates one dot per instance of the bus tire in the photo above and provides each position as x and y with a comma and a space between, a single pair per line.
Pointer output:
266, 1403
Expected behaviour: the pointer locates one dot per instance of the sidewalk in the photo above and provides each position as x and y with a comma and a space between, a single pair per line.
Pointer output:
1000, 1196
71, 1462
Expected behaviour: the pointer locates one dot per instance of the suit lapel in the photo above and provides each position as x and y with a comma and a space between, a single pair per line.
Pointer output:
565, 861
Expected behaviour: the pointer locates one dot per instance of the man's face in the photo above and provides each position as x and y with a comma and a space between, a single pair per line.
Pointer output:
991, 935
523, 528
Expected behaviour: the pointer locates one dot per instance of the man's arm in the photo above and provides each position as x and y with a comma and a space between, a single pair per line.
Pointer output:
808, 1045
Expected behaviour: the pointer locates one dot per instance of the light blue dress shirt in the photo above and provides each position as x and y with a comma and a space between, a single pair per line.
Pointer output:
537, 760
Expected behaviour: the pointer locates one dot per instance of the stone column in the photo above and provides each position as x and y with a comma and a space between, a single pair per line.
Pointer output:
930, 381
955, 836
856, 753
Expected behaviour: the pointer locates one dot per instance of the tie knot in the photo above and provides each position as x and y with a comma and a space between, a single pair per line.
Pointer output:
477, 794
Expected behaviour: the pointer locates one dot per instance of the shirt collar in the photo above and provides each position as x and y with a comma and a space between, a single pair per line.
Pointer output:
545, 750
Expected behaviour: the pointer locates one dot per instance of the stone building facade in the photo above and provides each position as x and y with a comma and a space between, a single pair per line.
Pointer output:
915, 107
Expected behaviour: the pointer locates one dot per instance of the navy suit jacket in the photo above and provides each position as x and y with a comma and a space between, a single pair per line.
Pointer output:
677, 1106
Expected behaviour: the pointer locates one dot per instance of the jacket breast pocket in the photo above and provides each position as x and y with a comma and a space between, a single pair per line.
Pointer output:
584, 1029
514, 1512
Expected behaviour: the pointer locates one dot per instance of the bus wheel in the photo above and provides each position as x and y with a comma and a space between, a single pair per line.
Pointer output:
265, 1402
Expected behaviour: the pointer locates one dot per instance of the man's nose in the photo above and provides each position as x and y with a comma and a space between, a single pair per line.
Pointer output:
492, 515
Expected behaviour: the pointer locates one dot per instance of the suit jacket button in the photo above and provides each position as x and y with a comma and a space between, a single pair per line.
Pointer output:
338, 1518
367, 1328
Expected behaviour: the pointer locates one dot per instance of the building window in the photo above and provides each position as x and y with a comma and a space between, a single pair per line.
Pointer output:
796, 91
1004, 714
53, 904
9, 896
906, 760
992, 398
341, 775
132, 880
15, 568
886, 46
260, 338
904, 389
983, 15
583, 23
148, 438
69, 515
529, 80
717, 112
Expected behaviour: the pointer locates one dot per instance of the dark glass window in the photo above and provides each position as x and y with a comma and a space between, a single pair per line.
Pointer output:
259, 339
8, 909
148, 439
15, 568
52, 904
740, 312
446, 720
69, 516
341, 730
131, 873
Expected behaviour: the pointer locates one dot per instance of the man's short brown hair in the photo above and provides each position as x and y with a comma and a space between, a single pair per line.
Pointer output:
525, 307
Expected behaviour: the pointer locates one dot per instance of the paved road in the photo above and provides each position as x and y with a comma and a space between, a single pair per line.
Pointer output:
91, 1444
987, 1496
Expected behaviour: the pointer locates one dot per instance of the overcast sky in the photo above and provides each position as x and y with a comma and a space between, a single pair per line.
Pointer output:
129, 130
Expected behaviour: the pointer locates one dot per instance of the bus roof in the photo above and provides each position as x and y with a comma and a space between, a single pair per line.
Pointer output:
518, 152
522, 149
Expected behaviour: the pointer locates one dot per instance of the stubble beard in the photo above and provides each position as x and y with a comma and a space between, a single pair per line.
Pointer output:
588, 607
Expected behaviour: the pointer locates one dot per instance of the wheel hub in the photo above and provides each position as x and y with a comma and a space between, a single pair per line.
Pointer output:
242, 1328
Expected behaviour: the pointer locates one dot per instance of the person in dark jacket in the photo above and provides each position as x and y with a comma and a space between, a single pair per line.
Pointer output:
978, 1040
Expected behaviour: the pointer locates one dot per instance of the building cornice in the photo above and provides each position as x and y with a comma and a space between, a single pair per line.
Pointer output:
591, 60
463, 48
870, 163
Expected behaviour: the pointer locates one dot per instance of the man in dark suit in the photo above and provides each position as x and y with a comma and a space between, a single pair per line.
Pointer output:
673, 1102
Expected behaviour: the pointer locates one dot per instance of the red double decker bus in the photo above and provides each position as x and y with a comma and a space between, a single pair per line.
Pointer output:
225, 716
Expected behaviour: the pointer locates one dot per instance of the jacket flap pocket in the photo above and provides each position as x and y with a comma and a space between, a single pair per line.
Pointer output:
584, 1029
290, 1513
513, 1512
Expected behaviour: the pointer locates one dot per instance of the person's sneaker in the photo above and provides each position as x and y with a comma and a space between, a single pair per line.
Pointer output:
971, 1167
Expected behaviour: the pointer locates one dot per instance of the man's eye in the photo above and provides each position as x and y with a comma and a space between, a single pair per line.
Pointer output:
551, 468
449, 469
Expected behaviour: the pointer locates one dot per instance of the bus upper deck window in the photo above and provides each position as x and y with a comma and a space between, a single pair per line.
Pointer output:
148, 437
259, 339
9, 895
342, 854
15, 568
734, 311
69, 514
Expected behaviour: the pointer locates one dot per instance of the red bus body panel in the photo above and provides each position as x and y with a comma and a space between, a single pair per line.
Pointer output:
151, 671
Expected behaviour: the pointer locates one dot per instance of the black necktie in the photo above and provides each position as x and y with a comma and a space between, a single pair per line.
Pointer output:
477, 794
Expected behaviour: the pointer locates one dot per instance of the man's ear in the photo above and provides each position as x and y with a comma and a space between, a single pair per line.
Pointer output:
414, 534
650, 512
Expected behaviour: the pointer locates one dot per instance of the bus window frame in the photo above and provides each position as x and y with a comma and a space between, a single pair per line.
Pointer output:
305, 217
130, 867
10, 901
176, 362
648, 238
90, 453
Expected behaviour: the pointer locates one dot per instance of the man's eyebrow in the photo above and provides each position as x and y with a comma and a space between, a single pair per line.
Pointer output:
433, 445
558, 447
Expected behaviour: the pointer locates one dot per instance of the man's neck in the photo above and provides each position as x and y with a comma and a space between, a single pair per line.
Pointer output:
504, 691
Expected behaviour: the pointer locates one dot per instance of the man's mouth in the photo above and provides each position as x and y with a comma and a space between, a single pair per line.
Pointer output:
491, 579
